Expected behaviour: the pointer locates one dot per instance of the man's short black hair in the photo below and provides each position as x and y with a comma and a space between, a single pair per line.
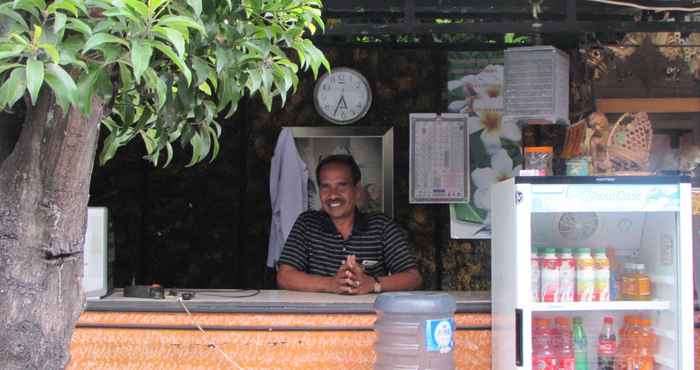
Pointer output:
344, 159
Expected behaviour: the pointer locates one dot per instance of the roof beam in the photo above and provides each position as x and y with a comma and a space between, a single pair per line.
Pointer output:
372, 29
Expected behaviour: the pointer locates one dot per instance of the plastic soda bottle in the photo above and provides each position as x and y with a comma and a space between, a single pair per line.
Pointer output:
647, 345
607, 345
543, 356
565, 346
585, 275
549, 276
535, 275
601, 291
580, 345
567, 275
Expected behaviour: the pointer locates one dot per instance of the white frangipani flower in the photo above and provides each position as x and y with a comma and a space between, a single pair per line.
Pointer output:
501, 169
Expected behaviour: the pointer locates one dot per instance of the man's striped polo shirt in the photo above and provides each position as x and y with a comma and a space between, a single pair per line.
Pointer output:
316, 247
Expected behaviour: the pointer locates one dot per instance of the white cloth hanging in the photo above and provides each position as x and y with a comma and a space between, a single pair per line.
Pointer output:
288, 192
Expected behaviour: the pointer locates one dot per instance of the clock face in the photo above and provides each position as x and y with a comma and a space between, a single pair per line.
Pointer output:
343, 96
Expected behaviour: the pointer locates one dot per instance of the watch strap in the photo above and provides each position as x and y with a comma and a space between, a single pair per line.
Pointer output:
377, 285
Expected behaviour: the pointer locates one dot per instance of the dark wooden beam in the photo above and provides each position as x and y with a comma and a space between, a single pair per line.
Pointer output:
365, 29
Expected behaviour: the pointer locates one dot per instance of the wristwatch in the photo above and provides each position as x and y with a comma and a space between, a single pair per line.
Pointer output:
377, 285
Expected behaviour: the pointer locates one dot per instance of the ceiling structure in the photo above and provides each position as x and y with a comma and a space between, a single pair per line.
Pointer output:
449, 22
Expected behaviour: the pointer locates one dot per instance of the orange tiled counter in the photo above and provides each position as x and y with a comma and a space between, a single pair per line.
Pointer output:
317, 347
255, 335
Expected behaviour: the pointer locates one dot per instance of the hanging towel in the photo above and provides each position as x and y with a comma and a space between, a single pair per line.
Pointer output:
288, 192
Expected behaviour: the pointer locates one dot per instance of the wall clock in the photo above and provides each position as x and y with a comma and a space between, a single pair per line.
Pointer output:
342, 96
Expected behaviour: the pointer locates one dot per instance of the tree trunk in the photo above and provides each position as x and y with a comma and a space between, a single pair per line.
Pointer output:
10, 127
44, 190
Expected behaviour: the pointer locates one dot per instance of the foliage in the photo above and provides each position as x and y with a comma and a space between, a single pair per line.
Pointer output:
166, 68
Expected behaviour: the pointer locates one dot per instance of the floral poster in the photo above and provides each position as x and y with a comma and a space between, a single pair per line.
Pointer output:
475, 87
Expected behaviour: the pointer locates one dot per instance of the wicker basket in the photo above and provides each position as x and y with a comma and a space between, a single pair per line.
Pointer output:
629, 144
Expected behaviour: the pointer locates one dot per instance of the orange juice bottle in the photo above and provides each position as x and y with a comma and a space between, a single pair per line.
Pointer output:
643, 284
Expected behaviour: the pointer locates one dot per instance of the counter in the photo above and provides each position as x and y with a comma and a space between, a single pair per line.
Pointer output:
268, 330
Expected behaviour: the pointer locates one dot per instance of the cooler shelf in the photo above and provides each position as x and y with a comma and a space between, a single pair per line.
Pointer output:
596, 306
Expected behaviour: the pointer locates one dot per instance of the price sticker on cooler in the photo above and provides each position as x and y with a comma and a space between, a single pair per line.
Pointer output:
439, 335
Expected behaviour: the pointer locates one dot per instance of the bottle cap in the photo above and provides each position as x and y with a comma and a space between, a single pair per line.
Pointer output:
565, 251
549, 250
578, 320
538, 149
608, 320
562, 320
583, 250
600, 250
534, 250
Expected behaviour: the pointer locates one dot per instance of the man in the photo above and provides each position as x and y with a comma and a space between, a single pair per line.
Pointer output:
340, 249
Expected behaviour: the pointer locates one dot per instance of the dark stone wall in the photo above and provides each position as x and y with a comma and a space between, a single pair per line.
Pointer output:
207, 226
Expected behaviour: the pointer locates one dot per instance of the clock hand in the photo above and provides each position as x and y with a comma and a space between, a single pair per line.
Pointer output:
341, 104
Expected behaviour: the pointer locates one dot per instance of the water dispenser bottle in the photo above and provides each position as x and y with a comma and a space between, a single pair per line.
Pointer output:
414, 331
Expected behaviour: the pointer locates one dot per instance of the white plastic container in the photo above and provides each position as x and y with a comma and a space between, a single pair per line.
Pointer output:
567, 275
415, 330
549, 286
585, 275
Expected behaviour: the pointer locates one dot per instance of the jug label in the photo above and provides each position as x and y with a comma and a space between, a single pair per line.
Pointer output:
439, 335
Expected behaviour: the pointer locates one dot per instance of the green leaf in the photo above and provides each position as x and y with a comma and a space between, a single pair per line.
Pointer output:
201, 69
59, 22
196, 6
51, 51
139, 6
196, 143
34, 7
215, 144
62, 4
125, 76
5, 67
79, 26
85, 91
254, 80
165, 49
62, 84
140, 57
14, 51
13, 88
180, 21
110, 146
169, 154
124, 12
174, 36
6, 9
111, 52
266, 78
102, 38
204, 87
35, 78
158, 85
153, 5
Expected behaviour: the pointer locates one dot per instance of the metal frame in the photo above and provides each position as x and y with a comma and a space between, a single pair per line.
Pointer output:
417, 17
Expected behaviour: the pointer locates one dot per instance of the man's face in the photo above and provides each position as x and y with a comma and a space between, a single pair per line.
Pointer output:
337, 192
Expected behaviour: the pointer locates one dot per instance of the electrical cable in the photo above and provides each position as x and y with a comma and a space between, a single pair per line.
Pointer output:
647, 7
210, 344
221, 295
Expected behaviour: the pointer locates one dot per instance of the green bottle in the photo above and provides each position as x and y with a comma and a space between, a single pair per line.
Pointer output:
580, 345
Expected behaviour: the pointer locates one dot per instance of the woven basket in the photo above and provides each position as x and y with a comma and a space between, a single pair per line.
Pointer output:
629, 144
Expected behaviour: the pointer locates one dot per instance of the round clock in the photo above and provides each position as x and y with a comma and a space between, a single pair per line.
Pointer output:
342, 96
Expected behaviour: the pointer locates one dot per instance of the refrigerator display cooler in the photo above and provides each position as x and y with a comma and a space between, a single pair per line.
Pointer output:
629, 243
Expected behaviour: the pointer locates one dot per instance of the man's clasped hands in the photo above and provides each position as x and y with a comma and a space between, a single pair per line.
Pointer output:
352, 279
